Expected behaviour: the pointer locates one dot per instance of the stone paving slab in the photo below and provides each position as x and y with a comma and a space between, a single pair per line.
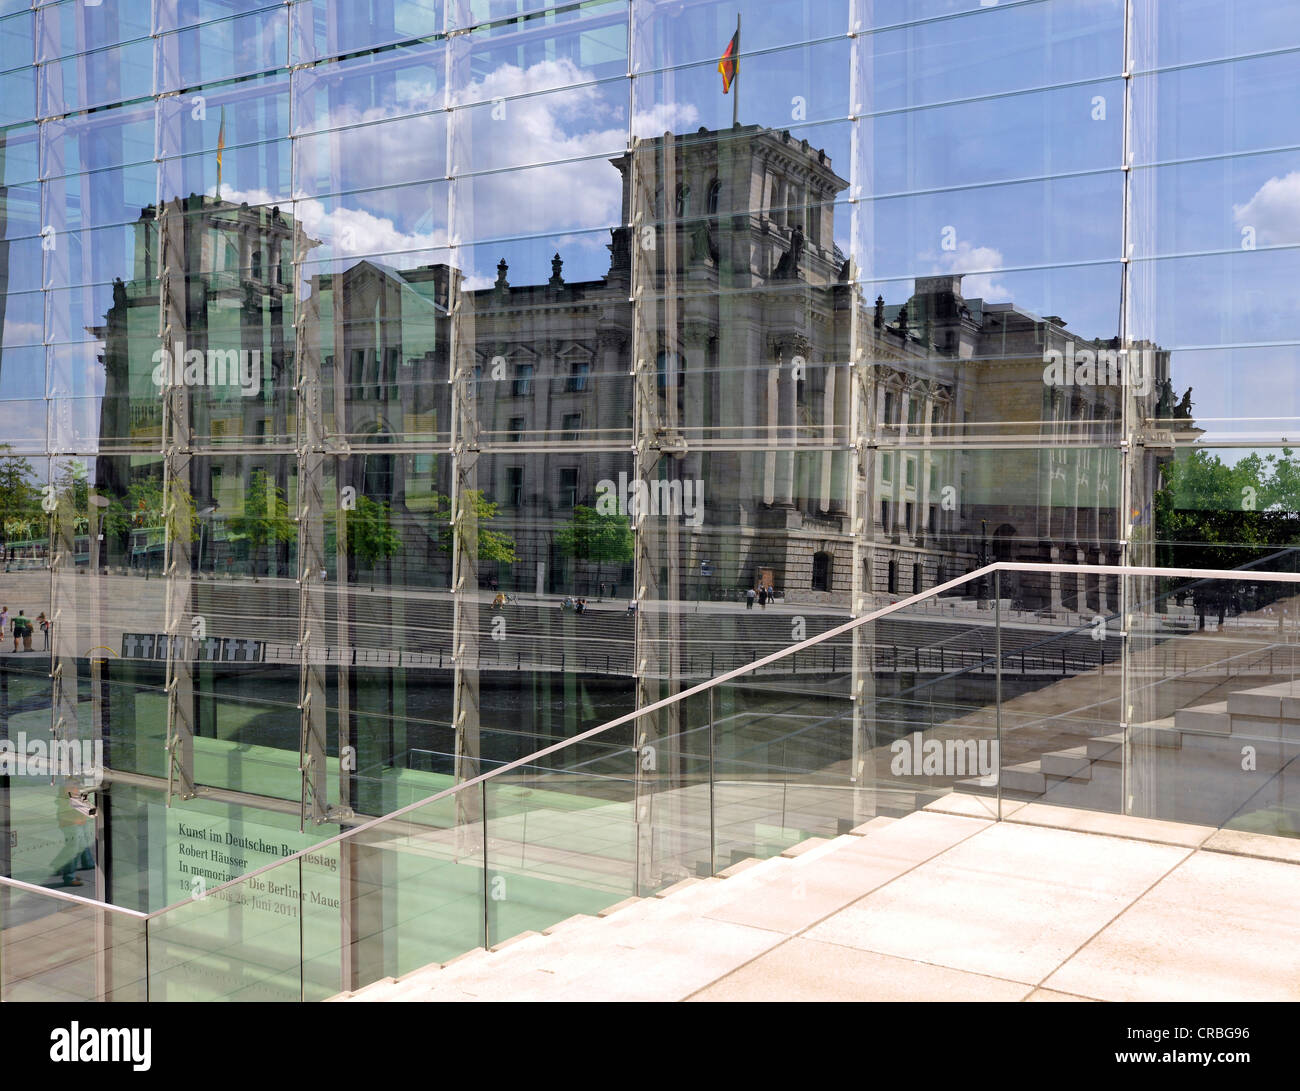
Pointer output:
1219, 927
807, 970
937, 906
1012, 902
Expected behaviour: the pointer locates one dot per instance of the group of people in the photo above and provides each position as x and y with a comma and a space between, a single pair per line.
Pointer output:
578, 606
22, 627
763, 595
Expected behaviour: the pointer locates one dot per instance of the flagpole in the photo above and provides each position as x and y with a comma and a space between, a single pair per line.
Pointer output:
735, 80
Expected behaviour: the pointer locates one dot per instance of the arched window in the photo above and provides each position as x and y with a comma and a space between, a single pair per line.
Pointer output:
683, 201
715, 197
821, 572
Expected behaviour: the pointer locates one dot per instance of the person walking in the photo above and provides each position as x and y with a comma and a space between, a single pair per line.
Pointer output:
76, 836
749, 599
4, 621
24, 629
44, 623
15, 627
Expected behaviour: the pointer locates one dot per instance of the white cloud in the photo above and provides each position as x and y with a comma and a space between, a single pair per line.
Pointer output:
978, 264
574, 131
1274, 211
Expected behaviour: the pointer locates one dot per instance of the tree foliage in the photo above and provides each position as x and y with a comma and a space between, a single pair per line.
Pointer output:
492, 544
1210, 514
266, 519
591, 536
371, 537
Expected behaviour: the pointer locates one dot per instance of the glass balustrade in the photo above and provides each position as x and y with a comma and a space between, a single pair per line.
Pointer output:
1165, 693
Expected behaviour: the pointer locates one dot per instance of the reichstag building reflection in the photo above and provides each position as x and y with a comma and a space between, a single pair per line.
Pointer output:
384, 399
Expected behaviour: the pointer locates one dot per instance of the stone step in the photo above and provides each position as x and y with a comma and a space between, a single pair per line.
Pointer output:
1106, 747
1161, 734
1025, 777
1073, 763
877, 823
376, 990
1266, 701
1210, 719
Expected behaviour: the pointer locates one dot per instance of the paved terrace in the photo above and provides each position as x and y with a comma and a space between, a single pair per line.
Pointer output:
1052, 904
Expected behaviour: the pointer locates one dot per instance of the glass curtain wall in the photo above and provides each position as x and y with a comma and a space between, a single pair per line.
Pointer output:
389, 390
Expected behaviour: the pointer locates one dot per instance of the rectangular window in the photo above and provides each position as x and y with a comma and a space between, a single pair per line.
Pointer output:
569, 487
515, 486
516, 428
523, 384
911, 473
572, 425
578, 372
886, 467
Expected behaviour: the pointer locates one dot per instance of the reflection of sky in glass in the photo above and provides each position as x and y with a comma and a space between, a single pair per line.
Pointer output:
983, 141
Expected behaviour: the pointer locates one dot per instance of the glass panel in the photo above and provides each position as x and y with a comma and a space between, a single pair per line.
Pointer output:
561, 839
62, 951
417, 890
242, 941
1214, 693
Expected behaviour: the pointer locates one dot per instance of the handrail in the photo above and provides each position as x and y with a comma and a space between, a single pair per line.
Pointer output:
89, 903
748, 668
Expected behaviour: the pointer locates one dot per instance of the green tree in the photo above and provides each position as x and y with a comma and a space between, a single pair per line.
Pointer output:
371, 537
265, 520
595, 538
144, 508
20, 499
1209, 514
492, 545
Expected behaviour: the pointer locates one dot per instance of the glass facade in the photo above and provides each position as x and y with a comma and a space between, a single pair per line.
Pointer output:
389, 390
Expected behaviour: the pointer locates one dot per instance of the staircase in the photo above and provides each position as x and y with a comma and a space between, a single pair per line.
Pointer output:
1202, 745
1049, 904
685, 936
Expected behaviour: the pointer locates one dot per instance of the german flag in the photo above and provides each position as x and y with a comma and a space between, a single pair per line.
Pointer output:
221, 149
729, 65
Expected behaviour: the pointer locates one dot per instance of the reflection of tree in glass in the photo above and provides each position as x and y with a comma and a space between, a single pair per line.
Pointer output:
72, 488
595, 538
143, 508
265, 520
1209, 514
21, 517
492, 545
371, 537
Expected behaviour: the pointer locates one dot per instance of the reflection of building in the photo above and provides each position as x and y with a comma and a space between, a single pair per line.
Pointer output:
749, 365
